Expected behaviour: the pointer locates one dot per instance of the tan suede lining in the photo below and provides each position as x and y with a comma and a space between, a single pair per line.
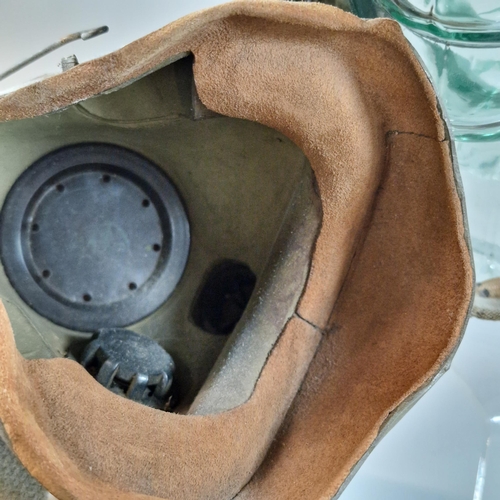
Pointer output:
389, 286
75, 436
394, 323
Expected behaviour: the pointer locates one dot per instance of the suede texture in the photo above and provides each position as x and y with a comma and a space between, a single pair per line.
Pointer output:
387, 296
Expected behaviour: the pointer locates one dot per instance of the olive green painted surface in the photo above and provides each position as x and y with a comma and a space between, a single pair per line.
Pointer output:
249, 195
241, 183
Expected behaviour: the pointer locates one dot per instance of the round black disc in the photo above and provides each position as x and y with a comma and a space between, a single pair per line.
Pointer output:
94, 236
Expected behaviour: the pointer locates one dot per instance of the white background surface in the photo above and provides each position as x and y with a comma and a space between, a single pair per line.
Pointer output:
27, 26
448, 446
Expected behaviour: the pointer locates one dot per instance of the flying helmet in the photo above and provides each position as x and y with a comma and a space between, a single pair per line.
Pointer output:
234, 253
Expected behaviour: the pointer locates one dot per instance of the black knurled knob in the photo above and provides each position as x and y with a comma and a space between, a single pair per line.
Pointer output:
130, 365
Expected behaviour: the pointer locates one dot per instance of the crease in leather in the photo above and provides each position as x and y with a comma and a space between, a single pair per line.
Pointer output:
335, 85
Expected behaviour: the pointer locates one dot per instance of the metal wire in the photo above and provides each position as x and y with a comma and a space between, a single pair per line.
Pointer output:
81, 35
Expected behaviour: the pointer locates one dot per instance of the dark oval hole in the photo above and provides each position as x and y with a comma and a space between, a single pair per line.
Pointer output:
223, 297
